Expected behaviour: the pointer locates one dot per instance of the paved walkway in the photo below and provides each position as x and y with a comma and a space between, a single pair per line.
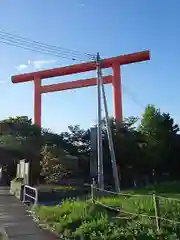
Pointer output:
15, 220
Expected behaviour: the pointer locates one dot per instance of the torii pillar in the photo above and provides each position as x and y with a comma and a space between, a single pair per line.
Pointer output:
115, 79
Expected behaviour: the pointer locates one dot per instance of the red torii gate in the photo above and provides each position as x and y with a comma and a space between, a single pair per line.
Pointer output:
115, 79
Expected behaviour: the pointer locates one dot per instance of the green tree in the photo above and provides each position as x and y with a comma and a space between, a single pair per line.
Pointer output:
19, 133
19, 126
20, 136
76, 142
160, 133
78, 139
127, 147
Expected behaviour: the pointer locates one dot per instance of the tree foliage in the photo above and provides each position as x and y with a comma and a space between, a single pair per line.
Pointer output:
52, 168
140, 148
160, 135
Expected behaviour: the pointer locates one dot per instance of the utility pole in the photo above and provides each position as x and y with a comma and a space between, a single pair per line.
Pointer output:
109, 133
99, 126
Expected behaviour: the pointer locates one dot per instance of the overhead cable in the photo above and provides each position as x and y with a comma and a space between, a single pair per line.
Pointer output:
28, 44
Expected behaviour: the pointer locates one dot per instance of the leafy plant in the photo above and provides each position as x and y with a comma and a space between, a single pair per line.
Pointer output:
52, 168
85, 220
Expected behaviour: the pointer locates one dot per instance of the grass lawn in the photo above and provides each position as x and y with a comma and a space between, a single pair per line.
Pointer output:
50, 187
77, 219
168, 189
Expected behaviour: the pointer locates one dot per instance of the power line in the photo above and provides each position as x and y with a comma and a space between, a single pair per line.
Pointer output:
133, 98
7, 36
35, 49
28, 44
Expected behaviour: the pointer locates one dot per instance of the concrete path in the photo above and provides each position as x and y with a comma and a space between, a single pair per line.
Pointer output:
16, 222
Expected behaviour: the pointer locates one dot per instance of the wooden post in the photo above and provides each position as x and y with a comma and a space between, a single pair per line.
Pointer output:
93, 190
24, 191
93, 156
157, 211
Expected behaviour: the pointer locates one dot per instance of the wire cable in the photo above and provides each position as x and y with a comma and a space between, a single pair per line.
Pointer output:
28, 44
133, 98
168, 198
121, 194
34, 49
134, 195
134, 214
16, 37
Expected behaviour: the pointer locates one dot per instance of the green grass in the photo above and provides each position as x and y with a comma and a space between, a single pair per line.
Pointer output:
75, 219
168, 189
51, 187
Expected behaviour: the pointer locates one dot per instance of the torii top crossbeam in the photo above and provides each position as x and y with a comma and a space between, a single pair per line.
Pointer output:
83, 67
114, 63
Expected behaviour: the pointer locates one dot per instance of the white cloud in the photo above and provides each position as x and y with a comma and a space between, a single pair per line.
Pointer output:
22, 66
35, 64
82, 4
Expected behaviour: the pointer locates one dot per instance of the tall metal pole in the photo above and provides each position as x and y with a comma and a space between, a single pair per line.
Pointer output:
110, 139
99, 126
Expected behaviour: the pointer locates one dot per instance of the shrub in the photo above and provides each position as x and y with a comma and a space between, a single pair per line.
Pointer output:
77, 219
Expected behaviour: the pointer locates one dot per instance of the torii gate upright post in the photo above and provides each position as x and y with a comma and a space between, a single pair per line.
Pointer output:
115, 79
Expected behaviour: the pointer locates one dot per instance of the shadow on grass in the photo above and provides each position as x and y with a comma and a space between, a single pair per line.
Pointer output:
167, 188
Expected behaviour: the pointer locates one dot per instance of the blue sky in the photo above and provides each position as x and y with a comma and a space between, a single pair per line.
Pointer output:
111, 27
